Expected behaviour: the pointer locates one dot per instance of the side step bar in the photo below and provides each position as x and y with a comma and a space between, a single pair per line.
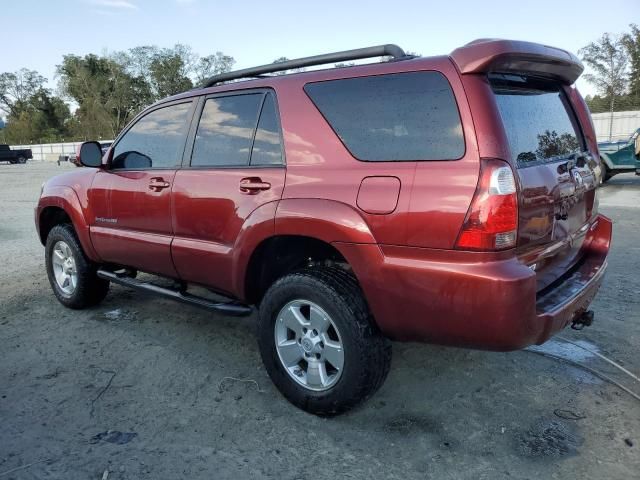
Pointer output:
234, 309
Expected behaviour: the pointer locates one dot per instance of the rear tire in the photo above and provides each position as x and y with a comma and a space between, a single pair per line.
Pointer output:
21, 159
71, 274
334, 300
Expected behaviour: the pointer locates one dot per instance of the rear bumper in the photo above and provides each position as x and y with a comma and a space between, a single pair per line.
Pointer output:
473, 300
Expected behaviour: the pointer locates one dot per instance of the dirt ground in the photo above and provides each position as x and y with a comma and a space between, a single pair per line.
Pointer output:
144, 388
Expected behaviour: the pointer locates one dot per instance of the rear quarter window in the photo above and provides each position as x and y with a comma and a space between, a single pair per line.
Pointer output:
394, 117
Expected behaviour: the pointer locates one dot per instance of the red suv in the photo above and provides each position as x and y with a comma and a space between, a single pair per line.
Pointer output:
449, 199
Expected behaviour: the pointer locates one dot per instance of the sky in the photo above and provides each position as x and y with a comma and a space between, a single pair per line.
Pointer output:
36, 34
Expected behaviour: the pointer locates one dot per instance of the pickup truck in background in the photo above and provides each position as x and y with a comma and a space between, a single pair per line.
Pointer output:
14, 156
620, 157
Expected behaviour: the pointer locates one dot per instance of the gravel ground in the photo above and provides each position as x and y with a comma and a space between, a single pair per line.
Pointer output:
141, 387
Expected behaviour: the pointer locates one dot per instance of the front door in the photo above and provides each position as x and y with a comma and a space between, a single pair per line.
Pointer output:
130, 201
235, 169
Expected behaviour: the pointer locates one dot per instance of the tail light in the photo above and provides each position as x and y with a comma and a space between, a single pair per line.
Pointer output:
492, 220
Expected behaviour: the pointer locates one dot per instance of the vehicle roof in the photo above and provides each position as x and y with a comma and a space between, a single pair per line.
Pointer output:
479, 56
329, 73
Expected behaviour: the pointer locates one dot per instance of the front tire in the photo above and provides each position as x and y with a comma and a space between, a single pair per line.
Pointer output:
319, 343
606, 174
71, 274
22, 159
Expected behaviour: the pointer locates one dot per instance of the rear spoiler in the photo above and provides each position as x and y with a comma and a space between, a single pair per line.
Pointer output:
512, 56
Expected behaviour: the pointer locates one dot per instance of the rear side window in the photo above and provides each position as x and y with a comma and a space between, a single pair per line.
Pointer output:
266, 147
237, 130
225, 131
155, 141
538, 120
394, 117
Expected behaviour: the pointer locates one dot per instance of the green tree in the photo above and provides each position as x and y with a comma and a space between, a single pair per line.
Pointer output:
33, 112
107, 95
608, 60
16, 88
169, 74
212, 65
631, 42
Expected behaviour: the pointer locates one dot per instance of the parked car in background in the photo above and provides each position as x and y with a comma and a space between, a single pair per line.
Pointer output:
450, 200
14, 156
620, 157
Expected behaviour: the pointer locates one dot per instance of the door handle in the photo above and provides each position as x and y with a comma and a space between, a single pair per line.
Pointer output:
157, 183
253, 185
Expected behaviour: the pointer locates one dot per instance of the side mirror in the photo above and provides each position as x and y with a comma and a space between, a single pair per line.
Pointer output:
90, 154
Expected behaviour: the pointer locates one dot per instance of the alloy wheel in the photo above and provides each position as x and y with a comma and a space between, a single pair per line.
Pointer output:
309, 345
64, 267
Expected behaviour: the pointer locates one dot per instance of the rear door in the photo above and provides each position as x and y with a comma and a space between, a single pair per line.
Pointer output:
131, 199
235, 166
556, 172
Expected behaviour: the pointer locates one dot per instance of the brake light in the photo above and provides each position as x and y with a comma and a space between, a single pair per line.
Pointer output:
492, 220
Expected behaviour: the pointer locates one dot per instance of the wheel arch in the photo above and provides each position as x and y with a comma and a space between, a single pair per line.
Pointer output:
60, 204
296, 230
279, 255
604, 158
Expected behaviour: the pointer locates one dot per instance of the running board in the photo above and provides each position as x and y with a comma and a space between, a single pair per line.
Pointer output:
234, 309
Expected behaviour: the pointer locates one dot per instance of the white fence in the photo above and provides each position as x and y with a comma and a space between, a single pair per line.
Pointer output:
621, 125
51, 152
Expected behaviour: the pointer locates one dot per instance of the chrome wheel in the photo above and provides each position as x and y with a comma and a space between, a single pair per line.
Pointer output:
64, 267
309, 345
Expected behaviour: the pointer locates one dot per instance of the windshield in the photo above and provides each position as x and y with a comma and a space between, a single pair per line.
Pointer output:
537, 119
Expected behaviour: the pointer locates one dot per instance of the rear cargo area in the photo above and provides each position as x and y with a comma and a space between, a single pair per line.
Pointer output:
555, 171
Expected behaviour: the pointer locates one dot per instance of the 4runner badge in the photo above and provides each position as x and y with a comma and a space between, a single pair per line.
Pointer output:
106, 220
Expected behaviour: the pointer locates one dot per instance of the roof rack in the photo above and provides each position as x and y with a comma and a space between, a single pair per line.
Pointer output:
368, 52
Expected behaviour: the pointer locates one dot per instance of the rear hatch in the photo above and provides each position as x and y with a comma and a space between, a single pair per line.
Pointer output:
557, 179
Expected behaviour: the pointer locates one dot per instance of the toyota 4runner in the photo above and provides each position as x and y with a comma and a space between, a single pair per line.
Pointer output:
449, 200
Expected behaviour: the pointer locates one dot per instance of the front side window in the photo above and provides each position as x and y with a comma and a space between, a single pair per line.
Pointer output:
393, 117
537, 119
155, 141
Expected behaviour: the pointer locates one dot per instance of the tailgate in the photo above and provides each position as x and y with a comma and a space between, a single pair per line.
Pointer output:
557, 180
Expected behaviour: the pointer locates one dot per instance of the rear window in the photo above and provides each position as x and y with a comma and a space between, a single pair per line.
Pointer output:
538, 121
394, 117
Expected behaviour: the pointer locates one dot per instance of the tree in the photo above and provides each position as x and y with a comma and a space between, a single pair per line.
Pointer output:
631, 42
212, 65
45, 118
33, 112
284, 72
550, 144
17, 88
169, 74
608, 59
106, 94
166, 71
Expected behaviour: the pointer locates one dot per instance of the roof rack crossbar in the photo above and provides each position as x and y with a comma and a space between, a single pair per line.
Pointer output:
368, 52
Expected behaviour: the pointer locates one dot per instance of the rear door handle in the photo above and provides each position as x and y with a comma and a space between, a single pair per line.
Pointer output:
253, 185
157, 183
